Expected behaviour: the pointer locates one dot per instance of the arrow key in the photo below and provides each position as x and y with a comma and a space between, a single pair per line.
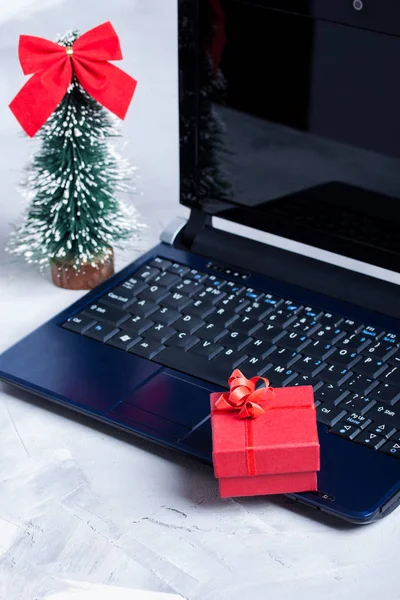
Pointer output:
392, 448
346, 431
382, 430
368, 438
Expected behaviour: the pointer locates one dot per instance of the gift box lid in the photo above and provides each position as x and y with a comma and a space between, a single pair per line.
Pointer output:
284, 439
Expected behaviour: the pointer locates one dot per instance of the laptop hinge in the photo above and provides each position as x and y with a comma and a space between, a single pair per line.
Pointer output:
194, 226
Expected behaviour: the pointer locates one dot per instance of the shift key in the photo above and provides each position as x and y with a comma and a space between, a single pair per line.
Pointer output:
102, 312
386, 415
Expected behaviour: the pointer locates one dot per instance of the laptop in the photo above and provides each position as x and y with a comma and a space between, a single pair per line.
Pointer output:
288, 264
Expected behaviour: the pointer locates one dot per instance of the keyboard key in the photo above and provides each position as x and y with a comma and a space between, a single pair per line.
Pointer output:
188, 324
101, 332
235, 339
159, 333
330, 335
281, 356
331, 394
270, 333
255, 365
229, 359
222, 317
281, 317
357, 403
245, 324
307, 365
370, 367
231, 287
210, 332
102, 312
206, 349
119, 300
137, 324
259, 347
154, 293
304, 325
345, 430
133, 286
307, 380
234, 303
329, 415
79, 323
351, 326
330, 319
215, 282
272, 300
391, 448
359, 384
385, 415
165, 315
187, 287
319, 349
343, 357
384, 430
147, 348
368, 438
147, 273
386, 393
195, 275
391, 376
395, 359
256, 310
395, 437
335, 374
309, 312
143, 308
123, 340
358, 420
293, 340
178, 269
199, 309
160, 263
354, 343
182, 340
210, 295
373, 332
279, 376
380, 350
176, 301
253, 295
166, 279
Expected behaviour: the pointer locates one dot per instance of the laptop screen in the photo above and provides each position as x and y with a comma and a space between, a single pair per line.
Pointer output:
290, 121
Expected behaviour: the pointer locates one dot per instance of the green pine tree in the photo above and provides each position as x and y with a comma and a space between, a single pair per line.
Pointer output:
73, 182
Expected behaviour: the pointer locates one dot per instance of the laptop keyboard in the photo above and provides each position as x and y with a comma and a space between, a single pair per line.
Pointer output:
205, 325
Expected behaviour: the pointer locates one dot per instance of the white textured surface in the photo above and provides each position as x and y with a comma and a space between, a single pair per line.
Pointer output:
81, 508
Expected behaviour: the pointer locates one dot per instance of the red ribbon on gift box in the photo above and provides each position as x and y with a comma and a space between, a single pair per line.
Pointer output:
53, 67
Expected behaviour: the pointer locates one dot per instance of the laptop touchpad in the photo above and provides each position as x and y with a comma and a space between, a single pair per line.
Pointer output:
172, 398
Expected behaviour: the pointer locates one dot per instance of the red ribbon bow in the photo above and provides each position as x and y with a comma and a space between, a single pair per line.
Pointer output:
244, 397
53, 67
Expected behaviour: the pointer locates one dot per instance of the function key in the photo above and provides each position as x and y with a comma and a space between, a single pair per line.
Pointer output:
351, 326
345, 430
368, 438
178, 269
330, 319
147, 273
215, 282
232, 287
272, 300
392, 448
373, 333
101, 332
160, 263
309, 312
391, 338
193, 274
253, 295
292, 307
79, 323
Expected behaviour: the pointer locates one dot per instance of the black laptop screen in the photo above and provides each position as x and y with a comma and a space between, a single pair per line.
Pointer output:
295, 118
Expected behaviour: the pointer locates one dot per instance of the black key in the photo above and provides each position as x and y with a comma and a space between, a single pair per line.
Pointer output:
395, 359
343, 357
351, 326
320, 349
370, 367
309, 312
146, 273
255, 365
229, 359
330, 319
259, 348
183, 340
345, 430
199, 309
102, 312
359, 384
391, 448
357, 403
188, 324
384, 429
176, 300
374, 333
330, 335
222, 317
210, 295
305, 325
307, 365
395, 437
256, 310
391, 338
143, 308
270, 333
368, 438
380, 350
154, 293
354, 342
388, 415
123, 340
178, 269
234, 303
279, 376
101, 332
117, 299
159, 333
234, 339
206, 349
307, 380
210, 332
292, 306
329, 415
165, 315
231, 287
281, 317
209, 370
386, 393
272, 300
253, 295
331, 394
147, 348
133, 286
79, 323
187, 287
196, 275
137, 324
293, 340
281, 356
214, 281
245, 324
391, 376
160, 263
166, 279
335, 374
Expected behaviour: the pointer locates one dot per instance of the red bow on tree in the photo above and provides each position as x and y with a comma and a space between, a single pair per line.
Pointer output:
53, 67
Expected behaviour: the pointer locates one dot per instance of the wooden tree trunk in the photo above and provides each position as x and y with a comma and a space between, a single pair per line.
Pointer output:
88, 277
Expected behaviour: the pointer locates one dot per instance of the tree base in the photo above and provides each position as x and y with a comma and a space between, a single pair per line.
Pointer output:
88, 277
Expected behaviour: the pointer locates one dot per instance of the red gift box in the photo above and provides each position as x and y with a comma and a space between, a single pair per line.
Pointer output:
265, 441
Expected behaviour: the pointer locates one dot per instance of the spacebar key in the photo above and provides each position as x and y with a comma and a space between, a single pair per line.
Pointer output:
192, 365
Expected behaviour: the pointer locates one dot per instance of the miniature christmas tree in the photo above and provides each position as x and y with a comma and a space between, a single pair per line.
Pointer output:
76, 217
